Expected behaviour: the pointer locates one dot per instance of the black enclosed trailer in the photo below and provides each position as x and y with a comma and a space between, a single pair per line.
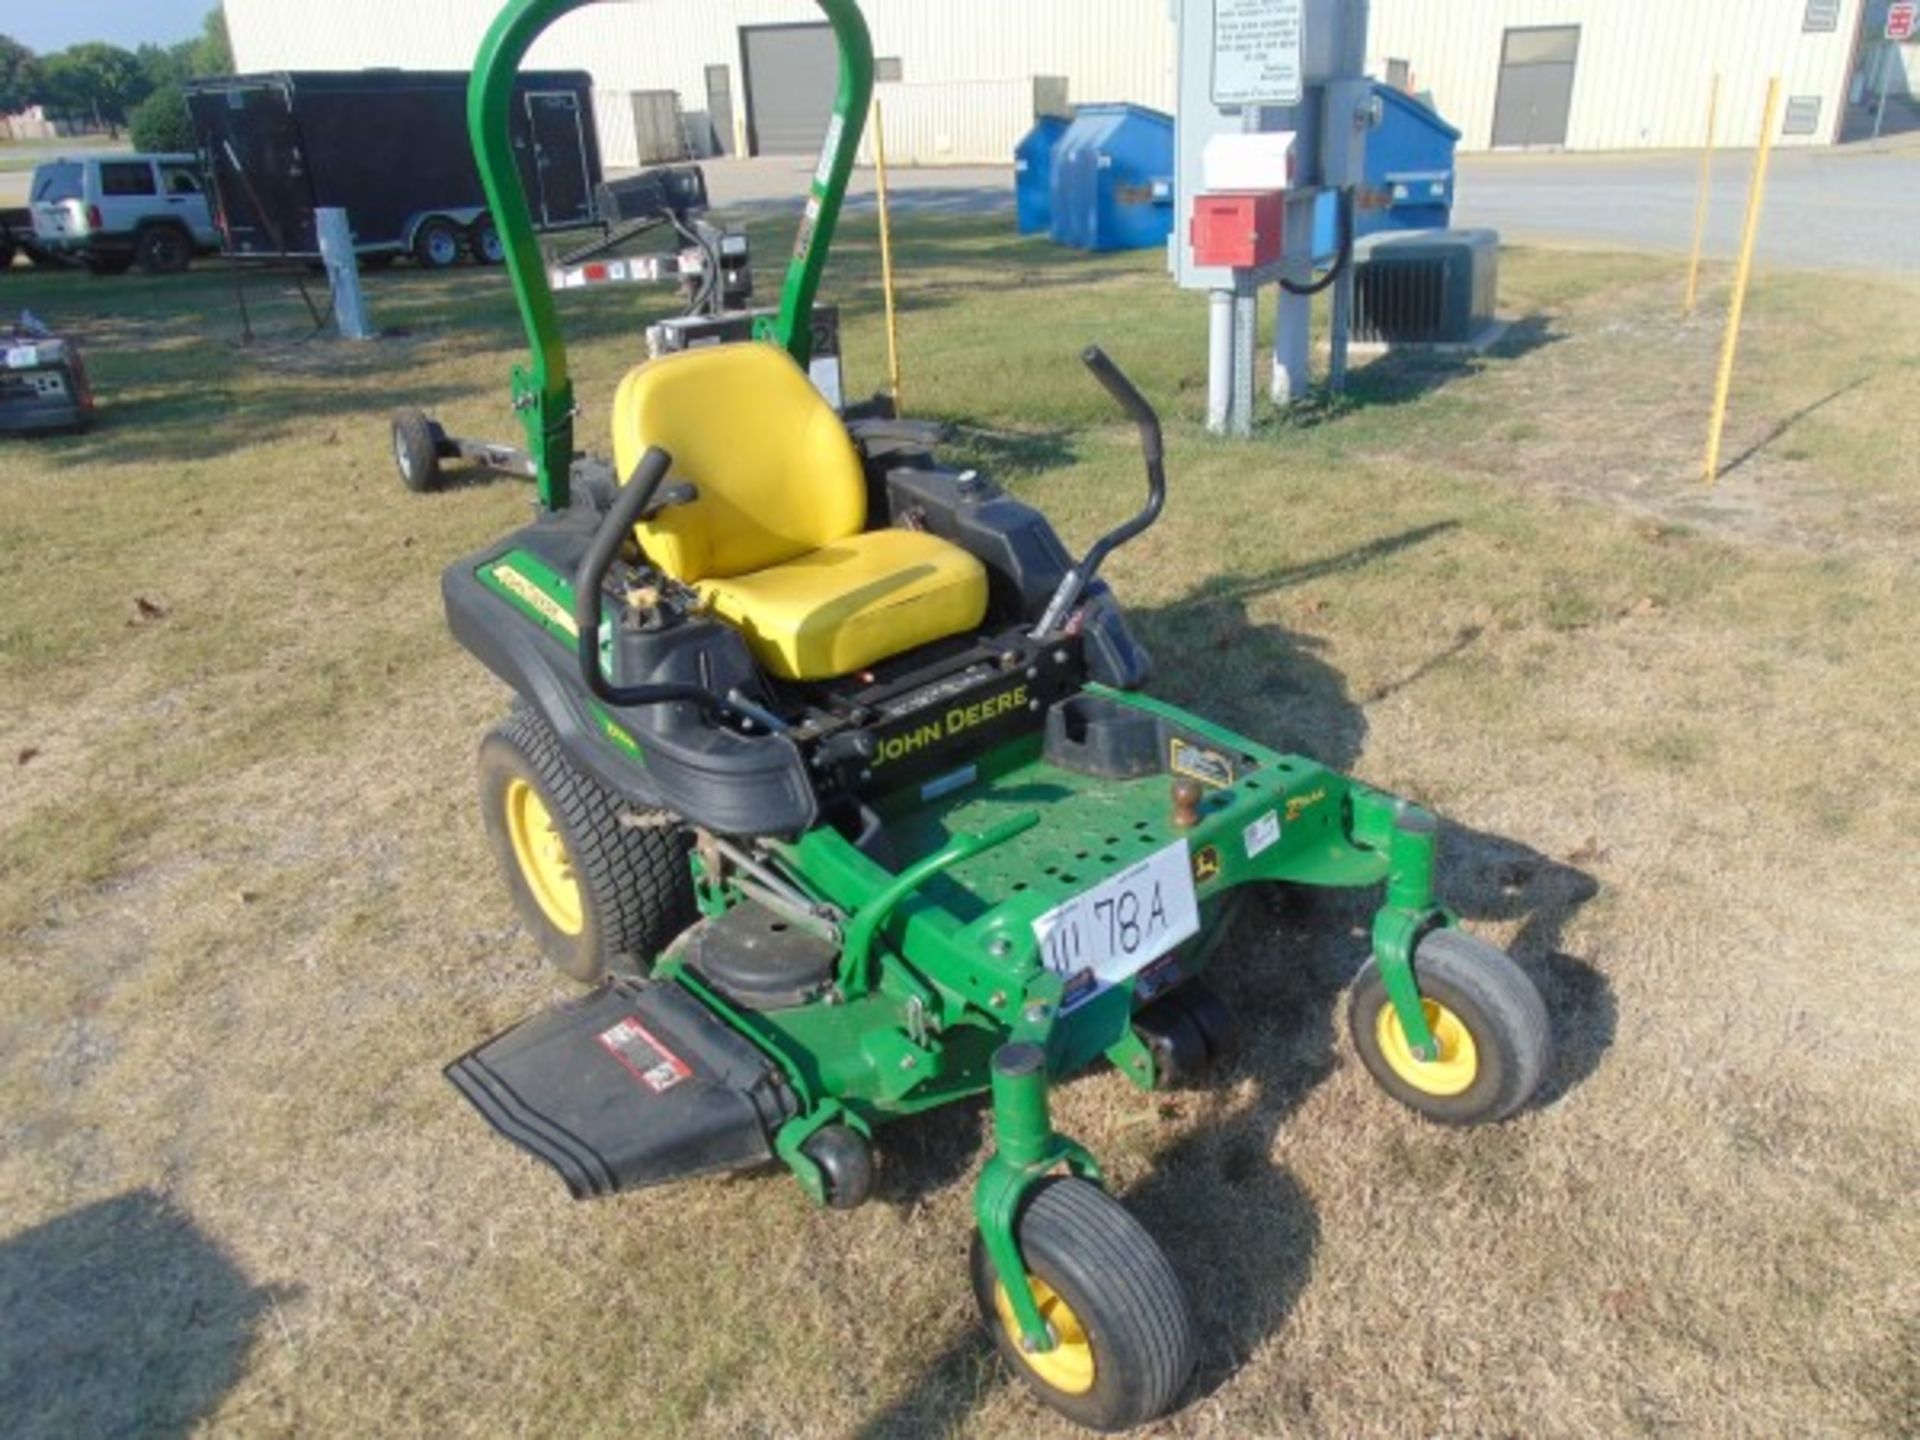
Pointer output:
390, 147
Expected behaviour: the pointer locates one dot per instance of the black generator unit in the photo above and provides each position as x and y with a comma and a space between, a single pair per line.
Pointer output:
390, 147
1425, 287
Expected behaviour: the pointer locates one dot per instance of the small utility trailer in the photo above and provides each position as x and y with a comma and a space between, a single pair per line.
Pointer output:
390, 148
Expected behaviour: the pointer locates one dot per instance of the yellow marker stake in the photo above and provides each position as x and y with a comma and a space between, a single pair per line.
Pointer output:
1700, 205
1741, 275
886, 260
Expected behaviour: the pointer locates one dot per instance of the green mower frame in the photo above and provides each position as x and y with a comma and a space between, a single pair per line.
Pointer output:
1042, 886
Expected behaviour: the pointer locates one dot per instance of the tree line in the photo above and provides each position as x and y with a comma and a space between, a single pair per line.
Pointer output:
113, 86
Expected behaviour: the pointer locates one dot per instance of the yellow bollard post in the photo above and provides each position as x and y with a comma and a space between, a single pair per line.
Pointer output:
1743, 273
1700, 205
886, 259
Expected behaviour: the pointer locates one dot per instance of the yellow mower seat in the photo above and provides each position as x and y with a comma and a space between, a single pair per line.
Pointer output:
776, 542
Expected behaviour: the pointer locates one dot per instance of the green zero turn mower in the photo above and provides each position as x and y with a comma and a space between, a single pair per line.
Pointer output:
831, 770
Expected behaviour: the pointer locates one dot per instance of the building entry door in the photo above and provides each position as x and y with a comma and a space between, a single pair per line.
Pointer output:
1536, 85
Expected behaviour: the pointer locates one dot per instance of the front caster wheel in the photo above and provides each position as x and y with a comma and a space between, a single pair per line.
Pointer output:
1126, 1342
1487, 1019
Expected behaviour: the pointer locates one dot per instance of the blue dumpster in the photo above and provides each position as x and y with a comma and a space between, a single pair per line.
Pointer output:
1033, 174
1113, 179
1409, 167
1409, 183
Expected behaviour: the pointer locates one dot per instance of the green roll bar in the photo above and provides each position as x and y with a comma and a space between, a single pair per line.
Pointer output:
543, 390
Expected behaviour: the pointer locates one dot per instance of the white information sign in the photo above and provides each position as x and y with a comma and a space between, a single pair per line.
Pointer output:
1122, 925
1256, 52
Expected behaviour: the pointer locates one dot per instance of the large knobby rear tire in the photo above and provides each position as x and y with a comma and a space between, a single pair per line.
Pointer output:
1114, 1303
1486, 1016
603, 888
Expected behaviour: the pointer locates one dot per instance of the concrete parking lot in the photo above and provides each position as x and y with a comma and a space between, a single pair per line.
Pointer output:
1845, 208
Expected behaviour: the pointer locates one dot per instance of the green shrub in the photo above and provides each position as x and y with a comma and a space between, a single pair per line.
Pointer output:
159, 123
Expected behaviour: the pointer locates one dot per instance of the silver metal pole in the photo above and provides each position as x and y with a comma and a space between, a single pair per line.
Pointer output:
343, 274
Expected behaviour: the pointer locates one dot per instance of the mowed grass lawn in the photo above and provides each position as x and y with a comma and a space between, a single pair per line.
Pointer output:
247, 909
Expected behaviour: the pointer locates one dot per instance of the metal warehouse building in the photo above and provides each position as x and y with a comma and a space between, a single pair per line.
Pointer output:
962, 83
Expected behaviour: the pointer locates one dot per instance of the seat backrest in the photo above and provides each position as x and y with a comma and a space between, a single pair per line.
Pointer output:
777, 472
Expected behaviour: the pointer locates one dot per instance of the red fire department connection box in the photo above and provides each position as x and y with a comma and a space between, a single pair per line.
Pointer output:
1240, 229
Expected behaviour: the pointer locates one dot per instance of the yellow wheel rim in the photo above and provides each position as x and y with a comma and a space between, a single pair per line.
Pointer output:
541, 851
1068, 1367
1455, 1068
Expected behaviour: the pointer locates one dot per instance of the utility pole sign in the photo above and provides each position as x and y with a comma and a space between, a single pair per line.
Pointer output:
1256, 52
1900, 20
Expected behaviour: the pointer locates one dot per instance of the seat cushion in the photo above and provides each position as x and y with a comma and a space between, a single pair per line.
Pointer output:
848, 604
776, 470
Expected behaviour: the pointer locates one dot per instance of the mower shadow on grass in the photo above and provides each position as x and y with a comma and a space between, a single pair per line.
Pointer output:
120, 1318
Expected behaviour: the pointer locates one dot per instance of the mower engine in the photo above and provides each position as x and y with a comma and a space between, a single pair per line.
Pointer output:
43, 381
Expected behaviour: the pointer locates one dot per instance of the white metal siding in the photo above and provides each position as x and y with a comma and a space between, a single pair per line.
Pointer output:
960, 122
1642, 77
1110, 49
1644, 68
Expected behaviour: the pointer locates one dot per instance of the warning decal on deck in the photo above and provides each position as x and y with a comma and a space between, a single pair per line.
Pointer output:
1196, 762
651, 1063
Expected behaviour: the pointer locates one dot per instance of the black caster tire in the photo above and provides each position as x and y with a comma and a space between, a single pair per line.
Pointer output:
602, 889
483, 239
1177, 1043
846, 1159
1487, 1017
416, 451
1126, 1335
436, 244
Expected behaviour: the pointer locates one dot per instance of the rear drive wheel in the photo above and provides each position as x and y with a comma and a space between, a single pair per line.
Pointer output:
416, 451
163, 250
436, 244
601, 887
483, 238
1488, 1022
1126, 1342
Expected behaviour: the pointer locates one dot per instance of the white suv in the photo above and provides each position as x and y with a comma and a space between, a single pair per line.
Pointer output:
114, 211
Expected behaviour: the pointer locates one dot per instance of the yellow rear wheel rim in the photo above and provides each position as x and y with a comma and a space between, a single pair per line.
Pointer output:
1068, 1367
541, 852
1451, 1072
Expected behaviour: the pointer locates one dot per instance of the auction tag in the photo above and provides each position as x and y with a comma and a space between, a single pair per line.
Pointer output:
1111, 932
20, 357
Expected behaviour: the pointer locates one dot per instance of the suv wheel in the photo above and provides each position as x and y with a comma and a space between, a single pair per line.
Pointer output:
163, 250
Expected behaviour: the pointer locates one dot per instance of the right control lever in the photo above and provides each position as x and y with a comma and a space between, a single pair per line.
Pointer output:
1074, 583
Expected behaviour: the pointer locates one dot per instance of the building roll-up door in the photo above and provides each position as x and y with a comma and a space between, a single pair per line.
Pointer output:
792, 75
1536, 85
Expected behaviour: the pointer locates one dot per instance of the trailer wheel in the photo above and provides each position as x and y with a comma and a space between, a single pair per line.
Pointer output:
436, 244
483, 238
163, 250
416, 451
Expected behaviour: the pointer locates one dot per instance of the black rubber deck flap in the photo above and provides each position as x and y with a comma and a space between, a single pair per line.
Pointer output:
633, 1085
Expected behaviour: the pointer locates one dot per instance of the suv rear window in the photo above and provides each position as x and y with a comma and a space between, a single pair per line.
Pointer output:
126, 177
56, 182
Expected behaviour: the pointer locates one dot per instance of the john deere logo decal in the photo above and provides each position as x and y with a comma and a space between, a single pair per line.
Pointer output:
1206, 864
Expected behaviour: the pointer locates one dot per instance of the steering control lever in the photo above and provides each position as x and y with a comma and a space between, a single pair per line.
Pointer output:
634, 502
1074, 583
